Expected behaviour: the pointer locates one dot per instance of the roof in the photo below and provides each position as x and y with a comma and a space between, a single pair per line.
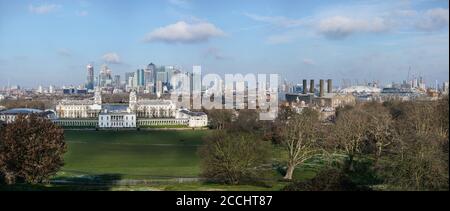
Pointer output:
190, 113
77, 102
361, 89
17, 111
154, 102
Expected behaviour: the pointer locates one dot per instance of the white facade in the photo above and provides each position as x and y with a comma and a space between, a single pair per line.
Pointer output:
76, 109
138, 113
152, 108
117, 120
195, 119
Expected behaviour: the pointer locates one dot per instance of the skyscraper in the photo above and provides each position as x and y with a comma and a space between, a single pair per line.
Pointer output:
117, 81
150, 73
90, 77
140, 77
105, 78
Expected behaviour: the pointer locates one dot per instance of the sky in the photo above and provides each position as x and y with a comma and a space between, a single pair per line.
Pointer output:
51, 42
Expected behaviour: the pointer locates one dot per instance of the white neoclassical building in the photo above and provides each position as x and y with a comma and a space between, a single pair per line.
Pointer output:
145, 108
138, 113
194, 119
80, 109
116, 118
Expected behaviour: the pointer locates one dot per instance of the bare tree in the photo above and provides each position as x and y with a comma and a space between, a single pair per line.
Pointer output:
299, 139
350, 133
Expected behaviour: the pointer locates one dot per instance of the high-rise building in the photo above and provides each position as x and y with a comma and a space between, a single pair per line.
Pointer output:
151, 72
117, 81
105, 78
90, 77
197, 78
128, 76
140, 78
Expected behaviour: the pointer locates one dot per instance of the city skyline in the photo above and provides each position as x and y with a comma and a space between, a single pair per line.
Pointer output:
51, 42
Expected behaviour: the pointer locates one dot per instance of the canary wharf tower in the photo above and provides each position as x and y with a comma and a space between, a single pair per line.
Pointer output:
90, 77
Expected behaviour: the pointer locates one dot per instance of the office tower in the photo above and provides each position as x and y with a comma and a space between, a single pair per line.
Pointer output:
127, 77
197, 78
151, 72
105, 78
117, 80
90, 77
140, 78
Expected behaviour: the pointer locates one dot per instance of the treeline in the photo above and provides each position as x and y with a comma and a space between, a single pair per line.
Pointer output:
388, 146
25, 103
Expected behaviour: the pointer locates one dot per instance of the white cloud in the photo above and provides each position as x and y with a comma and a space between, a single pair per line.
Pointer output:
82, 13
279, 21
433, 19
339, 27
43, 9
111, 58
182, 32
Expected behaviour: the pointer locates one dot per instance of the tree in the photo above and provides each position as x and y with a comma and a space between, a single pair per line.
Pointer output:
299, 138
233, 158
31, 150
247, 121
220, 119
380, 127
350, 133
329, 179
419, 159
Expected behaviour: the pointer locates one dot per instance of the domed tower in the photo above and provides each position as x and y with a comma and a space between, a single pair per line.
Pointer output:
133, 100
98, 97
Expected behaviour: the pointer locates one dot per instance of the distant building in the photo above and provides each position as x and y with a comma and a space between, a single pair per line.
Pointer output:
196, 119
90, 77
116, 117
72, 109
9, 116
138, 113
105, 78
140, 78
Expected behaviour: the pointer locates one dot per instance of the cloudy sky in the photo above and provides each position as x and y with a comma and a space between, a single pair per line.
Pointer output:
50, 42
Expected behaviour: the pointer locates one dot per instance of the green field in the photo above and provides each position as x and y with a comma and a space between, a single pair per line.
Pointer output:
155, 160
133, 154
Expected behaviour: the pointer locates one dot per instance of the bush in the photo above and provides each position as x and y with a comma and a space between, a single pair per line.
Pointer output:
234, 158
331, 179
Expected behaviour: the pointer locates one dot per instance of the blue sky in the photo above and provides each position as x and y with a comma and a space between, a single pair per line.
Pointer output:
50, 42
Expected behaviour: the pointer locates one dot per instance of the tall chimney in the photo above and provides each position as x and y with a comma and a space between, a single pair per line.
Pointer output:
305, 86
311, 87
322, 84
330, 86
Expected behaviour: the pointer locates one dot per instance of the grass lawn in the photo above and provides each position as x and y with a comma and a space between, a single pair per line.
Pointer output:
133, 154
155, 157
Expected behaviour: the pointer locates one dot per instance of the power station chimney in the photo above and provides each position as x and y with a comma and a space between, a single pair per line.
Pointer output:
322, 84
311, 86
305, 86
330, 86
